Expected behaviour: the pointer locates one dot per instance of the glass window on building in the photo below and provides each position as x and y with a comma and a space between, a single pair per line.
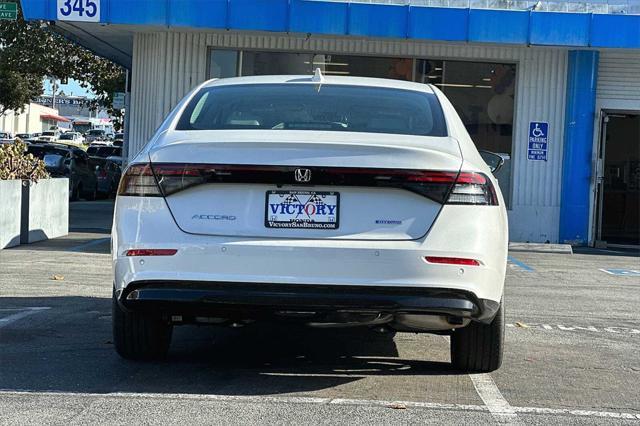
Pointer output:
365, 66
276, 63
483, 94
223, 63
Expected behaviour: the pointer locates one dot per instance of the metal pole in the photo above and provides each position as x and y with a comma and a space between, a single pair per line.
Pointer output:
53, 97
127, 115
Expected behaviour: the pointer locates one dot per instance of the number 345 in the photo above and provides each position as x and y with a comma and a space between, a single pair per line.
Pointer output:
81, 7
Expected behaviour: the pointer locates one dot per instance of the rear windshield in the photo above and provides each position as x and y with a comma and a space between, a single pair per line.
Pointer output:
309, 107
104, 151
41, 151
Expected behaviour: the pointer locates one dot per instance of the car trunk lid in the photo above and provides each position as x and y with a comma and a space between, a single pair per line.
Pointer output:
302, 184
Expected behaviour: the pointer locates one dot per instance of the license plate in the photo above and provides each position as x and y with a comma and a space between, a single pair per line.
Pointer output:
302, 209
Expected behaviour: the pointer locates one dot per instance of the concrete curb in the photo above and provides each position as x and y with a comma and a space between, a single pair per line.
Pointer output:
541, 248
91, 230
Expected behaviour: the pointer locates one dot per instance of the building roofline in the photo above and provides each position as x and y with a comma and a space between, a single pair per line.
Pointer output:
507, 27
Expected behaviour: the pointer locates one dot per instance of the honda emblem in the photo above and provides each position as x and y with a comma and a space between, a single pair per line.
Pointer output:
302, 175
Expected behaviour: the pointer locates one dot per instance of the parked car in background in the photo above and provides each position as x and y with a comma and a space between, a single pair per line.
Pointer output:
70, 162
118, 139
104, 151
49, 136
6, 137
117, 159
100, 143
73, 138
108, 173
95, 135
29, 138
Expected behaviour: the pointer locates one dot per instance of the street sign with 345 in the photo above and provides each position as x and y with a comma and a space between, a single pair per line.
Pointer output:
8, 11
79, 10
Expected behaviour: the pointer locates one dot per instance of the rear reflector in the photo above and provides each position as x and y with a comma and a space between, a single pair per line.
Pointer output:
452, 260
151, 252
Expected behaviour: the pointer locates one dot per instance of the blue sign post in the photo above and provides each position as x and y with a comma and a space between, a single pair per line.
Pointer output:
538, 141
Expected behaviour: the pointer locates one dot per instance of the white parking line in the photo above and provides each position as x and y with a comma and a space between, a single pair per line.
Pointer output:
499, 408
90, 244
23, 312
493, 400
331, 401
576, 328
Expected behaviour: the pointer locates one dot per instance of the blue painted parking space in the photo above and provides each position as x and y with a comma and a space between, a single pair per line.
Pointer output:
519, 264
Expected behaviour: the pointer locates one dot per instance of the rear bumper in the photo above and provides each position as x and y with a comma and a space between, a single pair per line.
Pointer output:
145, 222
254, 300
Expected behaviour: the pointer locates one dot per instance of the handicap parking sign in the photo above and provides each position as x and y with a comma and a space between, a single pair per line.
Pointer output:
538, 141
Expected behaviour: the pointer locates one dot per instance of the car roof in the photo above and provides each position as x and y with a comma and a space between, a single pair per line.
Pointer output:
51, 146
327, 80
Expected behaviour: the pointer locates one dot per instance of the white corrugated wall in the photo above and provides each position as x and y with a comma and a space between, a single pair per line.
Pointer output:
619, 78
167, 64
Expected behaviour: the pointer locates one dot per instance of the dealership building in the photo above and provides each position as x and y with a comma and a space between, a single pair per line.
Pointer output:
553, 86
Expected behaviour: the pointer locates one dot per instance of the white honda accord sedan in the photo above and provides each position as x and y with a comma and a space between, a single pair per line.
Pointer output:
331, 201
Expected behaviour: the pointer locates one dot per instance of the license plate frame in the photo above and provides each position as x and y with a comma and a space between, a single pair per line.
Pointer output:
271, 220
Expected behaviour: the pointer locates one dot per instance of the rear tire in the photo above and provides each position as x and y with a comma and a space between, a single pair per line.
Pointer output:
139, 336
479, 347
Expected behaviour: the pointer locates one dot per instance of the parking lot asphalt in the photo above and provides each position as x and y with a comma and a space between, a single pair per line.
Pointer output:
572, 345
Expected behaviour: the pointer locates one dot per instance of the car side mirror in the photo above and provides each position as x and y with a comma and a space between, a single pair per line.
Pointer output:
493, 160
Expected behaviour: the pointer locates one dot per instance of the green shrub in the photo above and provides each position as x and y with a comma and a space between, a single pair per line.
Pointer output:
15, 163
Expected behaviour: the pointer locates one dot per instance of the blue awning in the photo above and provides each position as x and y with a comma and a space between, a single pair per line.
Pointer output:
513, 27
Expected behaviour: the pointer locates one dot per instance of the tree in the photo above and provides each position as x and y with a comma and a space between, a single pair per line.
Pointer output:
17, 89
29, 51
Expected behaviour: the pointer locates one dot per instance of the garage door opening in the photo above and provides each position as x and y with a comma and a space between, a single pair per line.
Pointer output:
618, 219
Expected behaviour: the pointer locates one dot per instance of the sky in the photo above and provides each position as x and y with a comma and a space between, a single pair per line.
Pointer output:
73, 88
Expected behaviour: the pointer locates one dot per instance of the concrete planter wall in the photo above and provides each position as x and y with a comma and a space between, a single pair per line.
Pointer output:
41, 209
48, 210
10, 195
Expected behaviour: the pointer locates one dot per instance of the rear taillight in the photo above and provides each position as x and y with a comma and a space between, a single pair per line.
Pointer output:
454, 188
138, 181
443, 187
473, 188
177, 177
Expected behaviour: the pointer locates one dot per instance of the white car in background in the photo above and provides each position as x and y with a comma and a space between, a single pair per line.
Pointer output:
6, 137
49, 136
96, 135
71, 138
100, 143
333, 201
